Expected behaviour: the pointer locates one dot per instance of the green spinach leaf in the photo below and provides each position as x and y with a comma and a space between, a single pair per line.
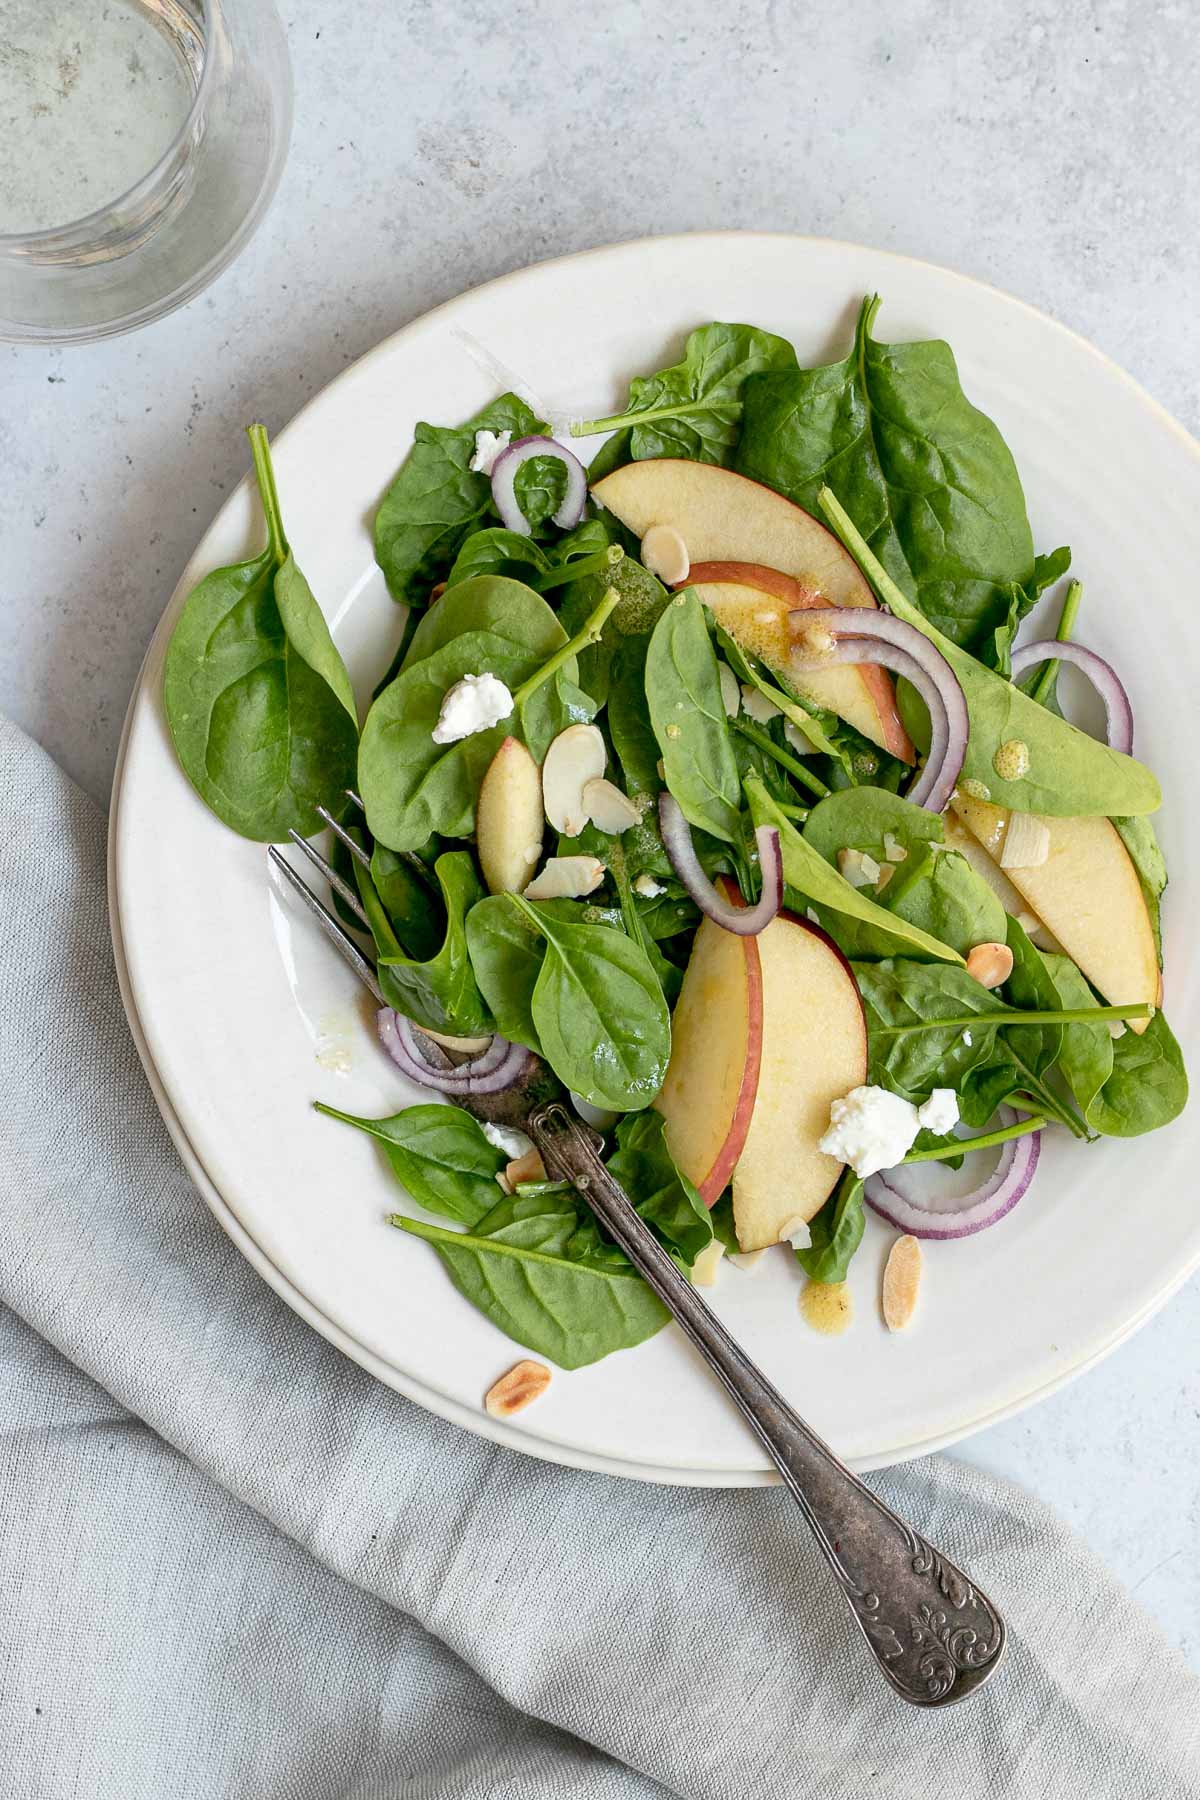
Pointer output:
527, 1267
410, 899
1148, 1086
836, 1232
861, 818
809, 875
495, 551
442, 993
507, 950
1086, 1058
694, 408
257, 698
901, 992
683, 695
412, 787
1069, 774
926, 477
663, 1197
440, 1155
1139, 839
436, 498
599, 1012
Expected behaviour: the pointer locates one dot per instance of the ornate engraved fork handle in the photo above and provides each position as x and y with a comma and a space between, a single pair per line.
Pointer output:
934, 1634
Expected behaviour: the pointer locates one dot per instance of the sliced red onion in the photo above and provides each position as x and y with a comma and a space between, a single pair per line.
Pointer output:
504, 474
744, 921
895, 1197
863, 635
1118, 713
491, 1072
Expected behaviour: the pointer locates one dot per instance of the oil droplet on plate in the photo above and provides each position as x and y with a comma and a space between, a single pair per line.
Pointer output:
827, 1306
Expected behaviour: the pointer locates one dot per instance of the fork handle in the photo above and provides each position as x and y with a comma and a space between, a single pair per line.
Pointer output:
935, 1635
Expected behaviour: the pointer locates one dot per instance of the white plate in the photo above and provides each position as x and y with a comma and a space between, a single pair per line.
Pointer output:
244, 1017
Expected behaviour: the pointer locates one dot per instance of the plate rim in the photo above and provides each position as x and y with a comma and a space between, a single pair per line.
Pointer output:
476, 1421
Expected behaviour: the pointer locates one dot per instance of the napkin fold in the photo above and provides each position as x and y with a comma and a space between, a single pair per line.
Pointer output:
232, 1564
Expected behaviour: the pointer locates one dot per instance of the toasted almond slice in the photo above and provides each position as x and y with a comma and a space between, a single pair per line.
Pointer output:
757, 705
608, 808
796, 738
795, 1231
470, 1046
525, 1382
576, 757
990, 964
566, 878
665, 554
704, 1269
859, 869
901, 1283
746, 1259
529, 1167
731, 693
1026, 842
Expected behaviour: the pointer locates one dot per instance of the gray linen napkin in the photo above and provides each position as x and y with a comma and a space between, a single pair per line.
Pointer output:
232, 1564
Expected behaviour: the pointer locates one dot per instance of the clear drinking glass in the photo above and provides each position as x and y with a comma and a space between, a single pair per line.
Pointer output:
142, 141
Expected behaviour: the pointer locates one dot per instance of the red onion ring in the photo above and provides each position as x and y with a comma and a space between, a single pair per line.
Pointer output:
491, 1072
1118, 713
743, 921
957, 1216
863, 635
504, 474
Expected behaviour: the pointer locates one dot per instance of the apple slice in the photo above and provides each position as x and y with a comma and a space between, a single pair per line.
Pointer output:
754, 604
707, 1099
1087, 894
777, 557
814, 1049
508, 819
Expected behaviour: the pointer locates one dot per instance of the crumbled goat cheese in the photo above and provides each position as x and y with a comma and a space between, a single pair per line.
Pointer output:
488, 446
870, 1129
475, 703
504, 1137
967, 1039
648, 888
940, 1111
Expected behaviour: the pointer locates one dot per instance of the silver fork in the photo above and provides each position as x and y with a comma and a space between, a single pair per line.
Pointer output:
935, 1635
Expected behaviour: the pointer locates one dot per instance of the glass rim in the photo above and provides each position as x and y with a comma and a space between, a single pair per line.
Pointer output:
138, 190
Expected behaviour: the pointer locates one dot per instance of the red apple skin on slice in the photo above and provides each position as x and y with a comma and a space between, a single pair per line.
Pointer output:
707, 1099
754, 604
814, 1049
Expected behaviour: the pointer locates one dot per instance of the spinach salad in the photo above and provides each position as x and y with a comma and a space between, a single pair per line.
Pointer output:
713, 786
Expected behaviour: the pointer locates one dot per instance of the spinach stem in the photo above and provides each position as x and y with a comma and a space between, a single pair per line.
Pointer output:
580, 567
1078, 1015
264, 471
589, 633
793, 812
770, 748
1042, 686
592, 427
983, 1142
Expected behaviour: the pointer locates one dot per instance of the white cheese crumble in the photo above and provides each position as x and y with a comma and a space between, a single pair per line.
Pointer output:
504, 1137
489, 445
648, 888
475, 703
967, 1039
872, 1129
940, 1111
